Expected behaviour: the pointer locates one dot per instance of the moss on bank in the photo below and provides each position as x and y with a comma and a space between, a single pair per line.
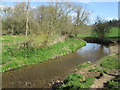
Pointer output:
14, 58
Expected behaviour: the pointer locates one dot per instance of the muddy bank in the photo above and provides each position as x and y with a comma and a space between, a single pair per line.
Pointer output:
108, 41
39, 75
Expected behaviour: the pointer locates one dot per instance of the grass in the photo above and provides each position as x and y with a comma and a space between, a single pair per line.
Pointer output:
77, 81
11, 38
86, 64
13, 57
83, 32
110, 62
102, 70
114, 32
114, 83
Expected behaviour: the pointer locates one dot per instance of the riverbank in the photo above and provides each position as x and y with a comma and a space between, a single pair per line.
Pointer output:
41, 75
14, 58
102, 74
107, 41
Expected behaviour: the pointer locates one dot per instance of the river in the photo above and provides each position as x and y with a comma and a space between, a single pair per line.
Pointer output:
38, 75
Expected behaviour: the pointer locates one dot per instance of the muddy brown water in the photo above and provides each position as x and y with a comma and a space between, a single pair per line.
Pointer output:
39, 75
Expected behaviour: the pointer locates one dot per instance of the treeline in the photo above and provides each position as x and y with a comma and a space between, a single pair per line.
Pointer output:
114, 23
110, 23
49, 19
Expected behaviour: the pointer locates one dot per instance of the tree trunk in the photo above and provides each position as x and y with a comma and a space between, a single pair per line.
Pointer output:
27, 18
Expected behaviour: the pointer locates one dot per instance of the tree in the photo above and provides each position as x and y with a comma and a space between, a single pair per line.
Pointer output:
82, 15
27, 18
7, 20
81, 18
101, 28
50, 19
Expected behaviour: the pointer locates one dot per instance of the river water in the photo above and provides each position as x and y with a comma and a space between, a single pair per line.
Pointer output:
38, 75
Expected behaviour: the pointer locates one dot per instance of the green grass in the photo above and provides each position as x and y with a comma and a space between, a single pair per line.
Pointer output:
98, 69
77, 81
110, 62
13, 57
11, 38
114, 32
86, 64
114, 83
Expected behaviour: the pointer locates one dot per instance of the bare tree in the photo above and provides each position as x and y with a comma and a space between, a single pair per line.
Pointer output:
82, 15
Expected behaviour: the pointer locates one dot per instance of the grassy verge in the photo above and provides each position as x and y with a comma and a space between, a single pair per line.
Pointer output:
13, 57
77, 81
110, 62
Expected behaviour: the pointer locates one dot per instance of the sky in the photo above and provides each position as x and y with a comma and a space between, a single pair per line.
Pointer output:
106, 10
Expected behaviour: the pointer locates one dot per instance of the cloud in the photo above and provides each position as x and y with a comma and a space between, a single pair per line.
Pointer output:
110, 18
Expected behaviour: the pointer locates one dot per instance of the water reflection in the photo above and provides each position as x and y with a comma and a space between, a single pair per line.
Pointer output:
93, 51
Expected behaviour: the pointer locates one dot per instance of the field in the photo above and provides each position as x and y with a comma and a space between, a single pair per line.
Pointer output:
114, 32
